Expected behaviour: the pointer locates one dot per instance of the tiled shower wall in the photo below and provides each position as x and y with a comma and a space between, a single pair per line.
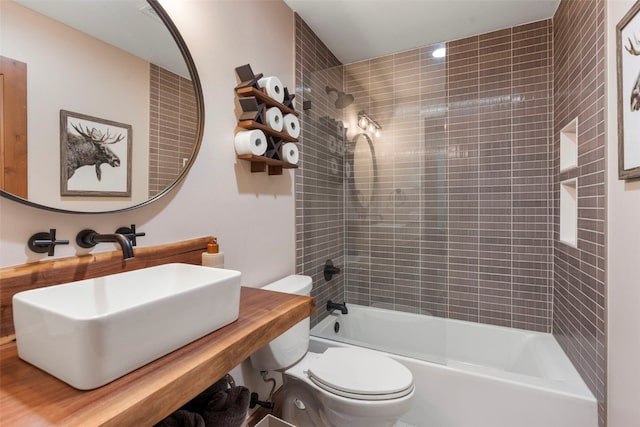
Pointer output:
460, 222
579, 272
172, 127
319, 184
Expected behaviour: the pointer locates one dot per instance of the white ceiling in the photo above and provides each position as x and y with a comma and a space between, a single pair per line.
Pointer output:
355, 30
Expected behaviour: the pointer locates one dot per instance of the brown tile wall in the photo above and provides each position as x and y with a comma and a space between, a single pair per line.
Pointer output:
172, 127
460, 223
579, 276
318, 181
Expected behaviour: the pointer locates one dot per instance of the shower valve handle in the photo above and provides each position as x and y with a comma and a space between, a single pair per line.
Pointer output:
330, 270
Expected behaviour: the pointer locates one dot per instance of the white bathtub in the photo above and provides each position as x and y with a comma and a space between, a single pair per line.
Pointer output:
468, 374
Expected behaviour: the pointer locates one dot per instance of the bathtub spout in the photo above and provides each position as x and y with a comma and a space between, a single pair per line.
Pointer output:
336, 306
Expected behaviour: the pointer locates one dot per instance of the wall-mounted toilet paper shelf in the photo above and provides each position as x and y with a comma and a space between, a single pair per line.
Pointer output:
252, 97
249, 93
264, 163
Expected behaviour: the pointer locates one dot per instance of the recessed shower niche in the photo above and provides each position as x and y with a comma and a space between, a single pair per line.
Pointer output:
569, 187
569, 212
569, 146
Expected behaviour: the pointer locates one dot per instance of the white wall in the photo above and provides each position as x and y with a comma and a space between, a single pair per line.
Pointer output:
252, 214
69, 70
623, 259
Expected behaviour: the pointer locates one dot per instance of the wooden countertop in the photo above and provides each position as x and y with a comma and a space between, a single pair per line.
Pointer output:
31, 397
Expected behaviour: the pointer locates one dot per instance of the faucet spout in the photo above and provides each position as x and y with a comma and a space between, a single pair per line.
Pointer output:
89, 238
336, 306
125, 244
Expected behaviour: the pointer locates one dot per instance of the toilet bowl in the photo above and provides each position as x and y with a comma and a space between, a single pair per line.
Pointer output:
340, 387
351, 388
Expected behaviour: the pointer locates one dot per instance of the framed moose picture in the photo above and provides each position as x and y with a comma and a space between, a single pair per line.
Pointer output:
95, 156
628, 58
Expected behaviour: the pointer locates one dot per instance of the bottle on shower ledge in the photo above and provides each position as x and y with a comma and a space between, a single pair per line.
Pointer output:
213, 257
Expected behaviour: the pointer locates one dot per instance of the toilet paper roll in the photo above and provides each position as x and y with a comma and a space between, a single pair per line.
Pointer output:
274, 87
292, 125
290, 153
251, 142
274, 118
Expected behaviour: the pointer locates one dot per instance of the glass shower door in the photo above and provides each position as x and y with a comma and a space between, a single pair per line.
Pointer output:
388, 148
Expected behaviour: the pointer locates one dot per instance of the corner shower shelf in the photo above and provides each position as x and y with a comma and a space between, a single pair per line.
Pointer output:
252, 124
262, 96
260, 163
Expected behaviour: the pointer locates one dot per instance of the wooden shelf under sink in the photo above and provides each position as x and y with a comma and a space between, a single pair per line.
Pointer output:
29, 396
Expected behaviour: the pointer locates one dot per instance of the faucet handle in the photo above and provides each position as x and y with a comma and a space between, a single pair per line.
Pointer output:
45, 242
130, 233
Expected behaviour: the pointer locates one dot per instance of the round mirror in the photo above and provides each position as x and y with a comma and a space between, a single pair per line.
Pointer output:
102, 104
364, 169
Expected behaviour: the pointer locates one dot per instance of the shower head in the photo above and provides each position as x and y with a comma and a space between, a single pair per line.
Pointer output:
343, 100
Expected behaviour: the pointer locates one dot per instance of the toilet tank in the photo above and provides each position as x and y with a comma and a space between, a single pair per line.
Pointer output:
293, 344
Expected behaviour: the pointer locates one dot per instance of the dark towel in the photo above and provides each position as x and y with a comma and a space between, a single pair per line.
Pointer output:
182, 418
218, 406
200, 402
227, 408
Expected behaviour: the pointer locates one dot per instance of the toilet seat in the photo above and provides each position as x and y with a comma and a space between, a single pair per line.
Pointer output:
360, 374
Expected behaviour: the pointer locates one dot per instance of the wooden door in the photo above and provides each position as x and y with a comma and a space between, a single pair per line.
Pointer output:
13, 127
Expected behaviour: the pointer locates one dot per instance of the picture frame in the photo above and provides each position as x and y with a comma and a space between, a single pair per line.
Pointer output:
628, 73
95, 156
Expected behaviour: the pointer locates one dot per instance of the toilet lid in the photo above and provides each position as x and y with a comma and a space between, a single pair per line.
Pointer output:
360, 374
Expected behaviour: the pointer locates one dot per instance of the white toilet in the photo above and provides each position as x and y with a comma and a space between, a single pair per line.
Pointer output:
340, 387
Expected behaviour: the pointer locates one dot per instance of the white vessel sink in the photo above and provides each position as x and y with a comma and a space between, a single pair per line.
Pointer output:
90, 332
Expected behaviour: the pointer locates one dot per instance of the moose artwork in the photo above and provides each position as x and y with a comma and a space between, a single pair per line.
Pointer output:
628, 56
95, 156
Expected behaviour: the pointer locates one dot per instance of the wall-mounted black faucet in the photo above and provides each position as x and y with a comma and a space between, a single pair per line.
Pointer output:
330, 270
337, 306
89, 238
45, 242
